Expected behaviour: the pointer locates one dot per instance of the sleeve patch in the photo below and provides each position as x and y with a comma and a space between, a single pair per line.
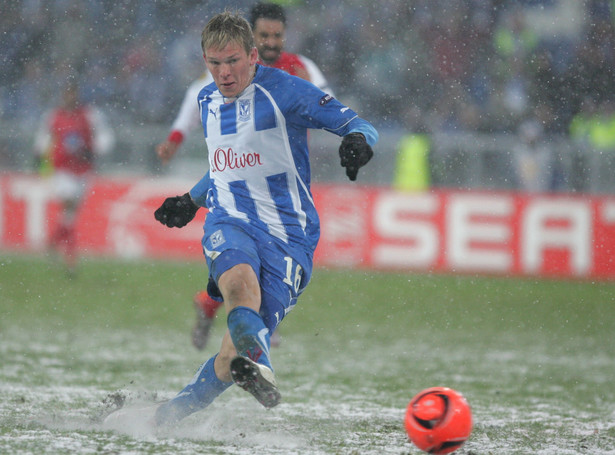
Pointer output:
325, 99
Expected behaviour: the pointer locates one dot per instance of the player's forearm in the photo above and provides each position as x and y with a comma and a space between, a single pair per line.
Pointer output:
359, 125
198, 193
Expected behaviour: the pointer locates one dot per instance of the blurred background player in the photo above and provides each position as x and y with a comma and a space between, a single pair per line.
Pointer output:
186, 121
268, 21
66, 144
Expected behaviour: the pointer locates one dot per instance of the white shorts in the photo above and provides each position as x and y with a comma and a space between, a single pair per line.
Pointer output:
69, 186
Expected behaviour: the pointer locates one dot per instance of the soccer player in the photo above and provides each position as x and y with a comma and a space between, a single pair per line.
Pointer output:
262, 226
69, 138
268, 21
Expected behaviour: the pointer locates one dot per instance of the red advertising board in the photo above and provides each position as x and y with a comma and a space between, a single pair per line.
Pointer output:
370, 227
116, 218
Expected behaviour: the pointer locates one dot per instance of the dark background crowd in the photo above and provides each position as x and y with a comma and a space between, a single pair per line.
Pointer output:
484, 66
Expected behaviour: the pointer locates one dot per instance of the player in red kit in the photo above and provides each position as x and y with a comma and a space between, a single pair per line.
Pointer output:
69, 138
268, 22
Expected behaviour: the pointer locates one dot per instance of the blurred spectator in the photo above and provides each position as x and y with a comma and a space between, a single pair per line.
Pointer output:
381, 73
71, 38
593, 71
549, 92
512, 38
145, 81
28, 96
513, 42
533, 158
488, 57
454, 111
412, 170
407, 50
185, 57
593, 130
330, 44
453, 45
25, 35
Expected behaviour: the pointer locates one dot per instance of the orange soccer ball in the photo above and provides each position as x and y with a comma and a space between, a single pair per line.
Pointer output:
438, 420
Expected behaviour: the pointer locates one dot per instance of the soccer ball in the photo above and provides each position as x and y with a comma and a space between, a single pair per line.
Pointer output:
438, 420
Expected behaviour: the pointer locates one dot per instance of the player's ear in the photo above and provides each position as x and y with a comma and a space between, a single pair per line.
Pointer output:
253, 57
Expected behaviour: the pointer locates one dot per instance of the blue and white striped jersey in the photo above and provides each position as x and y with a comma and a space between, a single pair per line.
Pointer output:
258, 153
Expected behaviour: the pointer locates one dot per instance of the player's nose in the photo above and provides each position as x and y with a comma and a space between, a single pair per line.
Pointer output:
225, 70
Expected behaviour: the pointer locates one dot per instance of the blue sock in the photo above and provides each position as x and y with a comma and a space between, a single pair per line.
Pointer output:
249, 334
198, 394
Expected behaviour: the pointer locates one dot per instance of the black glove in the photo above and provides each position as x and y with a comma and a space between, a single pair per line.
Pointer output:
355, 152
176, 211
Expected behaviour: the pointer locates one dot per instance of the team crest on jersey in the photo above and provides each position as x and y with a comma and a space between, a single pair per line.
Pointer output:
217, 239
245, 108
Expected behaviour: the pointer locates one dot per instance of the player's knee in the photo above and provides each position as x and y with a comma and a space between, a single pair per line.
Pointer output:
240, 287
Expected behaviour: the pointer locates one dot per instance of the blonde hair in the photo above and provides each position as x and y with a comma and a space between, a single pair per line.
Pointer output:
227, 27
